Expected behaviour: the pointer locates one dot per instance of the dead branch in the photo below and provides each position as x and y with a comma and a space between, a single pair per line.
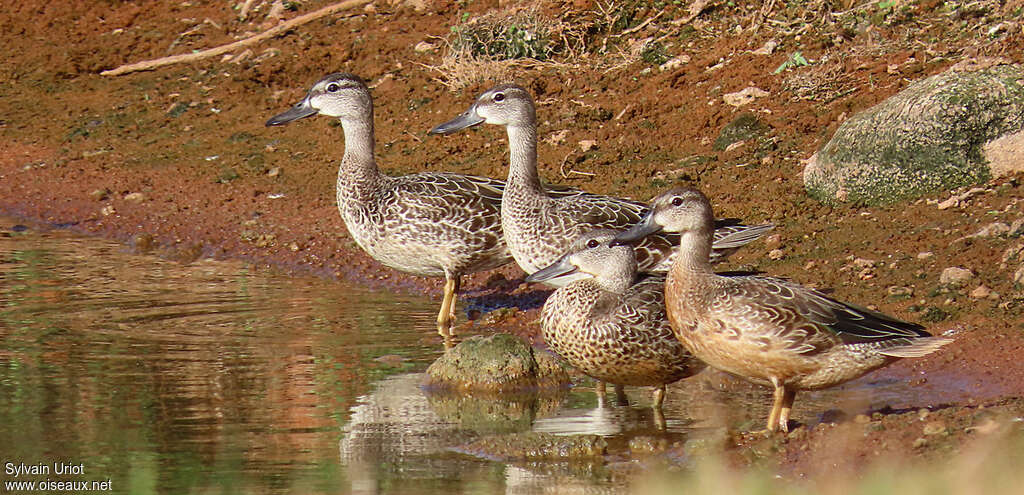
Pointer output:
213, 52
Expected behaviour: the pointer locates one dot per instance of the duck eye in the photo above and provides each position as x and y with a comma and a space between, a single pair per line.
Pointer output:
591, 244
333, 87
677, 201
499, 97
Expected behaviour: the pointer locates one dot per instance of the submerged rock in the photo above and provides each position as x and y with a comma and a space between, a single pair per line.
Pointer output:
961, 127
537, 446
497, 363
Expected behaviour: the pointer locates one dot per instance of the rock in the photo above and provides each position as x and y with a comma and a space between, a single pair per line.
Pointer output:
745, 126
674, 63
955, 200
767, 49
498, 363
1016, 228
933, 136
992, 230
747, 95
981, 292
135, 197
900, 292
100, 194
587, 145
955, 276
1018, 276
776, 254
923, 255
537, 446
934, 428
1013, 253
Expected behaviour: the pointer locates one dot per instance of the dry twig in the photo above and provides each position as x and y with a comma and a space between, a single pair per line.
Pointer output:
213, 52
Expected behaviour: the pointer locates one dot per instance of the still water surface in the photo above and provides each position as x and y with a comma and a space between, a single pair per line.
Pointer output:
217, 377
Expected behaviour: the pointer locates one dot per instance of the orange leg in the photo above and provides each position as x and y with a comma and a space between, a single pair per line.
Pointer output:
777, 399
446, 316
659, 398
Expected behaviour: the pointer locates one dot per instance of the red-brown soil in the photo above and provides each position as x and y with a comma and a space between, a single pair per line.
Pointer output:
77, 146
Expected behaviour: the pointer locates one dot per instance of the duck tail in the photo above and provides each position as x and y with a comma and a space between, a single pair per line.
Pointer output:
917, 347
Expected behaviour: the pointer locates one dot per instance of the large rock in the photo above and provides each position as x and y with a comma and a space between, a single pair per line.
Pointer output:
961, 127
497, 364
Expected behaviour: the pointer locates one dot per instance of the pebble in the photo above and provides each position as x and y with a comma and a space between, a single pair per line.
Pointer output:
983, 292
1018, 276
898, 291
991, 230
1016, 228
587, 145
955, 275
135, 197
100, 194
776, 254
925, 255
934, 428
674, 63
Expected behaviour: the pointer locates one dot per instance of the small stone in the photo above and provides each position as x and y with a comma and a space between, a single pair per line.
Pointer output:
992, 230
587, 145
981, 292
863, 263
370, 8
866, 274
293, 247
920, 443
767, 49
1016, 228
100, 194
898, 291
773, 240
934, 428
744, 96
674, 63
862, 419
1018, 276
1013, 253
135, 197
107, 210
955, 275
776, 254
923, 255
274, 172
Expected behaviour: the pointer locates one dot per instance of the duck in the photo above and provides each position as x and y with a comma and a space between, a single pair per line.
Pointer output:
611, 324
541, 223
766, 330
432, 224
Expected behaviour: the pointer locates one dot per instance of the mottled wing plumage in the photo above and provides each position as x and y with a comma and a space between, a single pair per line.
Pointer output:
431, 223
618, 338
806, 321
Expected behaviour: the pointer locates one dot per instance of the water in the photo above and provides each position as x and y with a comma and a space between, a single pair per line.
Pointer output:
214, 377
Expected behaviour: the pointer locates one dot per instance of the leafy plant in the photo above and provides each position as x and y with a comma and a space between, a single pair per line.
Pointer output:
796, 59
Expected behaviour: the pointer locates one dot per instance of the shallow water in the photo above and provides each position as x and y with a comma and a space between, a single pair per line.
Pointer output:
217, 377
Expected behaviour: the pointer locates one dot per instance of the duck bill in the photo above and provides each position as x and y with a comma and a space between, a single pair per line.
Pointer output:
301, 110
645, 227
468, 119
556, 269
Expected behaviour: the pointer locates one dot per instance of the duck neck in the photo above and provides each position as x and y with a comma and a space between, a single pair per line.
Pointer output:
618, 278
693, 256
358, 174
522, 173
